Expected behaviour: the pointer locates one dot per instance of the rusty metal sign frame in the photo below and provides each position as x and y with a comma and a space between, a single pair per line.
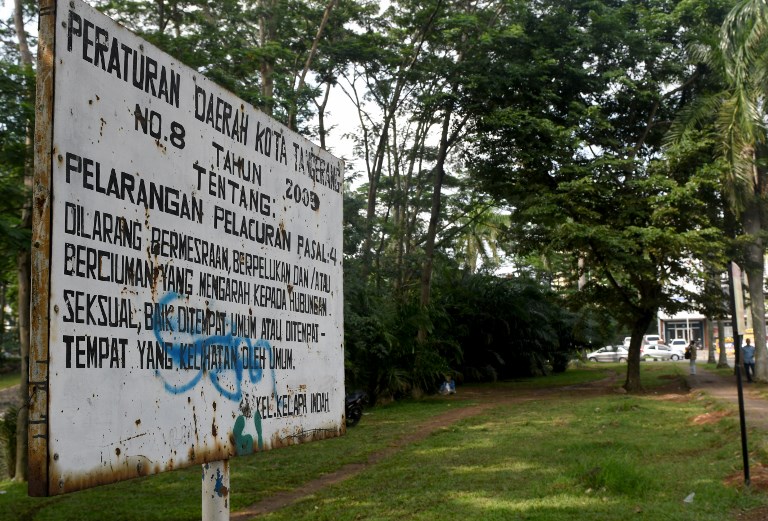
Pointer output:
48, 474
41, 251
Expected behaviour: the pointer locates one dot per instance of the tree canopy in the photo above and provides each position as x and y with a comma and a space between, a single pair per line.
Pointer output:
531, 132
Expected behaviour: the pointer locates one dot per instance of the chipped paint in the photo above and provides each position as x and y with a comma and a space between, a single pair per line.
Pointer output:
177, 318
215, 497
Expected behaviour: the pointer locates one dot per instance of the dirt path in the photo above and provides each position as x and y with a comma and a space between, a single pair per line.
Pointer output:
486, 399
724, 388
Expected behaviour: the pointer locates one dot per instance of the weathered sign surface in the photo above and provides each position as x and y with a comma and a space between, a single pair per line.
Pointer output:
193, 247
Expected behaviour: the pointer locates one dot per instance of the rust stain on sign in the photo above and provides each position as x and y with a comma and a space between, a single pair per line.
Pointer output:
166, 294
41, 233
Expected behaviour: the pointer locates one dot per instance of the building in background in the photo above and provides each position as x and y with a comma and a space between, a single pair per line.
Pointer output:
687, 325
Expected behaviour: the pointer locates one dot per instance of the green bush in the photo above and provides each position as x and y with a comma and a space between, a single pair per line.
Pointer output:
507, 327
479, 328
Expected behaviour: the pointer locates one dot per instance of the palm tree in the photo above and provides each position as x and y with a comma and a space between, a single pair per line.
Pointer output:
744, 48
477, 237
738, 56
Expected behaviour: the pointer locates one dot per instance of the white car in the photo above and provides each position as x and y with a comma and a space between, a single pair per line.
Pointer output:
682, 343
608, 354
662, 352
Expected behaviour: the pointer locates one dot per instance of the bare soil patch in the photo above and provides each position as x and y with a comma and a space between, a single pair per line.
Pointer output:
711, 417
758, 477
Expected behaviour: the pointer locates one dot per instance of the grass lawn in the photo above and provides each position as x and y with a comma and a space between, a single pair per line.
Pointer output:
9, 379
604, 458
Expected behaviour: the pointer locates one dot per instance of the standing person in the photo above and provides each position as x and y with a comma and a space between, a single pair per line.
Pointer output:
692, 349
748, 357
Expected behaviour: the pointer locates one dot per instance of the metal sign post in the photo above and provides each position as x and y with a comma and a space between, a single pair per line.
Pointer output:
216, 491
187, 268
737, 309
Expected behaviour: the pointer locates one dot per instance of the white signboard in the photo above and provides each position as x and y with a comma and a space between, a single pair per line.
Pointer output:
195, 267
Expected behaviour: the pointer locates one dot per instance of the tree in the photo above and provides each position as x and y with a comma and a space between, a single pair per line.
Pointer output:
476, 235
577, 105
742, 115
16, 125
264, 51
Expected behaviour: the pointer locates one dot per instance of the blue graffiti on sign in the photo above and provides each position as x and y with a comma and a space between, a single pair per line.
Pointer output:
223, 356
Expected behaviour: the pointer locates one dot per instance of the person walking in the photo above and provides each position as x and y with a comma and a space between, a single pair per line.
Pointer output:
692, 349
748, 358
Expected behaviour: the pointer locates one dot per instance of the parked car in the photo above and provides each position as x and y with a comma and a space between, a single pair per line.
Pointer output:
678, 353
652, 339
682, 343
608, 354
627, 340
662, 352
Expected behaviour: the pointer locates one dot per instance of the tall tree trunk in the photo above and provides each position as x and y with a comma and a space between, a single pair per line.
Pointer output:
321, 130
408, 210
434, 219
266, 69
754, 268
21, 33
642, 322
390, 111
710, 332
24, 266
722, 361
292, 114
374, 176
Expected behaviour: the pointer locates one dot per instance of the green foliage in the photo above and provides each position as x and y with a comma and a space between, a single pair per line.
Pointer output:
255, 49
481, 328
571, 137
383, 355
8, 441
16, 122
507, 327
